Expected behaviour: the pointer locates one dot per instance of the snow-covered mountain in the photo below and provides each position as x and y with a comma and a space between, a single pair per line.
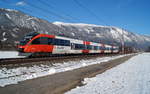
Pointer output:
105, 34
15, 24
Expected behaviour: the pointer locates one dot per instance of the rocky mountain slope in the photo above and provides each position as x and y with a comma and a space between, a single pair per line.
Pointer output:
15, 24
105, 34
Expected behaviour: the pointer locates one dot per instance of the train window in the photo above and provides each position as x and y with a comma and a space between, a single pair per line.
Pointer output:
115, 48
43, 40
23, 42
50, 41
96, 47
110, 49
89, 47
67, 43
107, 48
61, 42
102, 48
36, 41
29, 36
79, 46
55, 42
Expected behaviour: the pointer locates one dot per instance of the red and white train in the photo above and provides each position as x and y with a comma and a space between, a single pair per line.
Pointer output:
35, 43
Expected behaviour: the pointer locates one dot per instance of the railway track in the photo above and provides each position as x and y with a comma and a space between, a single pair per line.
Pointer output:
65, 80
29, 60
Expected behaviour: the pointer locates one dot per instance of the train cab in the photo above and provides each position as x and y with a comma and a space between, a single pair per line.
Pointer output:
24, 41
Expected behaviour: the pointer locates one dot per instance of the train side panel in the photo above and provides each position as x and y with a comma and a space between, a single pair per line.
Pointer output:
108, 49
88, 47
115, 49
74, 49
44, 43
95, 48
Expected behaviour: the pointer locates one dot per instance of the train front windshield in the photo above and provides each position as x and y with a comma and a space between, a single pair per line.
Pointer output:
28, 37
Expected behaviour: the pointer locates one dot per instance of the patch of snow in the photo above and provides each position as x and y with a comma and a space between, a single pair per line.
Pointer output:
121, 31
87, 30
9, 54
15, 29
98, 35
127, 38
114, 33
30, 18
14, 35
2, 27
4, 33
8, 16
46, 32
4, 39
15, 75
80, 29
76, 24
11, 10
146, 38
34, 28
73, 34
131, 77
33, 25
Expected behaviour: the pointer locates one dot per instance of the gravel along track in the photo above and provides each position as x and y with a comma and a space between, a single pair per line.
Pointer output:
60, 82
7, 61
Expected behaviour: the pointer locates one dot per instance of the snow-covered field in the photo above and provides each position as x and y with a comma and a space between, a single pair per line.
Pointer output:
131, 77
9, 54
15, 75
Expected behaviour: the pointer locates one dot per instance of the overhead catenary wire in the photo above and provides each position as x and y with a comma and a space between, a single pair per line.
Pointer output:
48, 11
27, 10
51, 6
90, 12
43, 10
5, 1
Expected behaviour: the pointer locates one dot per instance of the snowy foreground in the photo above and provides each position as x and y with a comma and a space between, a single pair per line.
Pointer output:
131, 77
9, 54
15, 75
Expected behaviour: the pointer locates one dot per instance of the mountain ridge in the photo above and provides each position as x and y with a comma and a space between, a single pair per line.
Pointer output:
15, 24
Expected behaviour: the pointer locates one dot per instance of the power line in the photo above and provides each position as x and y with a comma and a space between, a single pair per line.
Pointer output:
45, 3
89, 11
48, 11
5, 1
26, 9
50, 6
55, 14
67, 18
